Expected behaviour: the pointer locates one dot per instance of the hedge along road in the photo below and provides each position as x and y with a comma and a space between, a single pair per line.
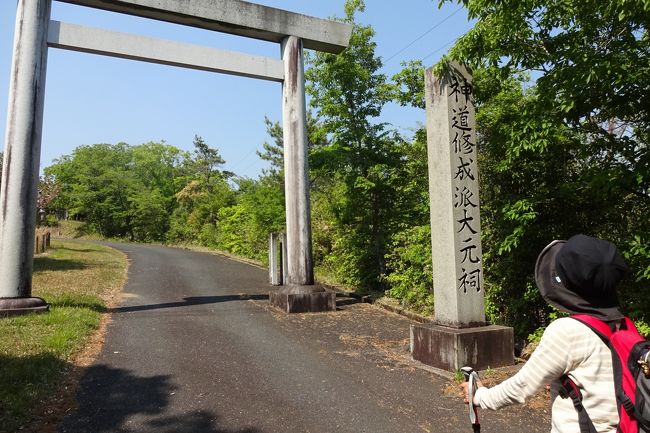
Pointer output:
195, 347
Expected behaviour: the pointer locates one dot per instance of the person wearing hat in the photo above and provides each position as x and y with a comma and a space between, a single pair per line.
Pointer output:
577, 276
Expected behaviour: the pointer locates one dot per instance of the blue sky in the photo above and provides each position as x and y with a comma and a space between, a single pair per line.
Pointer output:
96, 99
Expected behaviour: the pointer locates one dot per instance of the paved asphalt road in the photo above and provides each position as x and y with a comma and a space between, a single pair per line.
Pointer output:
195, 347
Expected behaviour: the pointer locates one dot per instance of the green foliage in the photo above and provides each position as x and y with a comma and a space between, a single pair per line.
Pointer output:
150, 192
119, 190
408, 84
643, 327
536, 336
410, 269
273, 152
636, 294
205, 192
244, 227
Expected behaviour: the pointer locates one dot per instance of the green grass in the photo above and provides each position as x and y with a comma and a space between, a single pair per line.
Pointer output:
70, 229
37, 350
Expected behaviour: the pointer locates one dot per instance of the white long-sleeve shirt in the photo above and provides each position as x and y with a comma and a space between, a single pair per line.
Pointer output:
567, 347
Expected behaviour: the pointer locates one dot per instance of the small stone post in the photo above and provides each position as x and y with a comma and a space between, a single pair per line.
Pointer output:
300, 294
274, 273
19, 189
460, 335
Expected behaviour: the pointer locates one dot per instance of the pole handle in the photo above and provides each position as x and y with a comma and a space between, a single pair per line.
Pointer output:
471, 376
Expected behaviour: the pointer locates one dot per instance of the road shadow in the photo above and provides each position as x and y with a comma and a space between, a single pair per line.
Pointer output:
42, 264
189, 301
116, 400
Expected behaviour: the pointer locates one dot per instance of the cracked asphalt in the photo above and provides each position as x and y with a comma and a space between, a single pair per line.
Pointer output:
195, 347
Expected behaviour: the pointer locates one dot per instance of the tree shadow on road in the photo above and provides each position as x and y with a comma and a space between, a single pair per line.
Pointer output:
115, 400
189, 301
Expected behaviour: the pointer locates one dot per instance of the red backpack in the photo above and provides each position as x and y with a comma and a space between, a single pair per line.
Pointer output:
630, 357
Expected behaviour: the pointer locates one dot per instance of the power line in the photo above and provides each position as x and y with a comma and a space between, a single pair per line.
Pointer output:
424, 34
242, 159
440, 48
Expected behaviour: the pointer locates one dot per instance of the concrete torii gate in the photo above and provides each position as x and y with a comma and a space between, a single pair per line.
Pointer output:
35, 32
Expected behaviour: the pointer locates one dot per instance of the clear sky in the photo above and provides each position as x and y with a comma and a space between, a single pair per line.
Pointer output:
96, 99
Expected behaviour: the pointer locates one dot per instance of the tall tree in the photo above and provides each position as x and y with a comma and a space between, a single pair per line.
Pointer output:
96, 185
274, 152
204, 193
207, 160
348, 93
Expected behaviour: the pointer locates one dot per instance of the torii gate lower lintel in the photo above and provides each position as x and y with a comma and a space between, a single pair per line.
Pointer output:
34, 33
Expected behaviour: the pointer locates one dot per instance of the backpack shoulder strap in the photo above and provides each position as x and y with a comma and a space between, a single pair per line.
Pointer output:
570, 390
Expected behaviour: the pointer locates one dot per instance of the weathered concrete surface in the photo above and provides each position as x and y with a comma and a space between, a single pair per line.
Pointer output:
451, 348
19, 190
195, 347
126, 46
275, 279
453, 190
303, 299
300, 266
236, 17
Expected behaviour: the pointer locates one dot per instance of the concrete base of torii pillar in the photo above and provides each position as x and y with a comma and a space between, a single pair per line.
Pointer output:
303, 299
18, 306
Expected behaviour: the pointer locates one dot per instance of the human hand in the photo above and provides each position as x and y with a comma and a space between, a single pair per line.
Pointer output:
465, 390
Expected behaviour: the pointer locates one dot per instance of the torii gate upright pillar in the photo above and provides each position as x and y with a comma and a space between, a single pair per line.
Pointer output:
299, 293
296, 180
20, 169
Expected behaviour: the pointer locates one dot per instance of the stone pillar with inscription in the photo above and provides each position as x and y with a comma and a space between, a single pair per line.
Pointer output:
459, 336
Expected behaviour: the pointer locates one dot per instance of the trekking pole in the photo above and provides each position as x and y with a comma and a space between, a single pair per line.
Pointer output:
472, 377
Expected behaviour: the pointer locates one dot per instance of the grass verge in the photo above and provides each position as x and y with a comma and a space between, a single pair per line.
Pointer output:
38, 351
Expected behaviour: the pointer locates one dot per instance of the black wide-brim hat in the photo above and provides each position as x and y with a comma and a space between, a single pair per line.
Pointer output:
581, 276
